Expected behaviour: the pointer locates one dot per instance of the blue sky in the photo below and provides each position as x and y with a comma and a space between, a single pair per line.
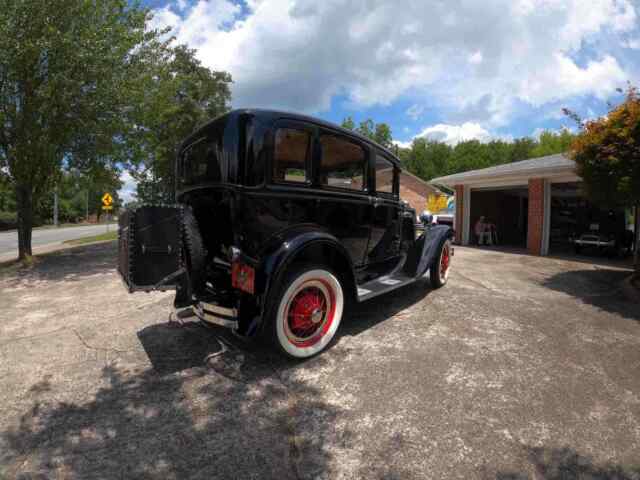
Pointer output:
444, 69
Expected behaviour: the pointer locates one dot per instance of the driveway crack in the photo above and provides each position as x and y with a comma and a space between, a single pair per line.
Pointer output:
99, 349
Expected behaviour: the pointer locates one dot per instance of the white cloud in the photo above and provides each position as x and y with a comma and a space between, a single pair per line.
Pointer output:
539, 131
402, 144
454, 134
127, 192
164, 17
415, 111
476, 57
299, 55
633, 43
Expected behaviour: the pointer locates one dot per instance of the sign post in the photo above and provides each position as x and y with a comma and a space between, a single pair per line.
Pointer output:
107, 205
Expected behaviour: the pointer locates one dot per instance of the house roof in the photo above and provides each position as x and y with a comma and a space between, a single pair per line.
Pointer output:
551, 165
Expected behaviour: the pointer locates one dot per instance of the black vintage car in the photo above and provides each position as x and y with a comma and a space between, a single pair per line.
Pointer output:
281, 220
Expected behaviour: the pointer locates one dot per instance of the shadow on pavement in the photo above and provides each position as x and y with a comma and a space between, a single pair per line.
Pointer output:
71, 264
205, 410
600, 288
567, 464
172, 348
362, 316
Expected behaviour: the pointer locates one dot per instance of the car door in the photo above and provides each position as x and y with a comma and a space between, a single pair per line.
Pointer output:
344, 206
384, 240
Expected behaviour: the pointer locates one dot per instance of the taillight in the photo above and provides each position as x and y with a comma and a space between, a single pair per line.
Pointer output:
243, 277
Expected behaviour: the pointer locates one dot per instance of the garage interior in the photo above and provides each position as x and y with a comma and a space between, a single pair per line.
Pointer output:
507, 208
573, 215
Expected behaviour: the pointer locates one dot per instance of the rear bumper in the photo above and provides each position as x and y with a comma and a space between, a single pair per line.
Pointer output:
216, 314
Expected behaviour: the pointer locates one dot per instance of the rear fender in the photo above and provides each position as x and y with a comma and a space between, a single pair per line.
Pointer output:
432, 240
302, 245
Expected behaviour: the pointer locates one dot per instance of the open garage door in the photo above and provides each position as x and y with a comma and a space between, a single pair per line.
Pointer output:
507, 208
579, 226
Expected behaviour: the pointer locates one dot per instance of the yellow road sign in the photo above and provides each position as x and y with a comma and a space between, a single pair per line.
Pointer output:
107, 207
107, 200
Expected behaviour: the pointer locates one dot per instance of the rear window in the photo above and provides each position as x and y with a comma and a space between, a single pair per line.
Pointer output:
290, 156
342, 164
384, 175
205, 160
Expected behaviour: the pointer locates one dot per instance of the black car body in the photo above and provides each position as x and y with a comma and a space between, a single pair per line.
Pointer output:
280, 219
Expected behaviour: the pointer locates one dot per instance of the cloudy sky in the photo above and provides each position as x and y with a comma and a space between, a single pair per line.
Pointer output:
446, 69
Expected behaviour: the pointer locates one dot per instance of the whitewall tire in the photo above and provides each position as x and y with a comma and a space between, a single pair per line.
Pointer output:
308, 313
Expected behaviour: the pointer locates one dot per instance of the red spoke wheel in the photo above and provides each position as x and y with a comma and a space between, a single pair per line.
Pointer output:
309, 312
439, 272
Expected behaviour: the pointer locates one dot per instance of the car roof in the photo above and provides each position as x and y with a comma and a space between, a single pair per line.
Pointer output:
272, 115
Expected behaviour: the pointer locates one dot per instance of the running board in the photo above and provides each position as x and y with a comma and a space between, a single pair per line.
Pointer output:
384, 284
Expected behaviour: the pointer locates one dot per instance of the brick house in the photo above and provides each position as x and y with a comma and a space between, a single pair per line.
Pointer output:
412, 189
537, 204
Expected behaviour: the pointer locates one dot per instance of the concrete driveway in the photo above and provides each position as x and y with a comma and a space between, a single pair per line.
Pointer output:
521, 367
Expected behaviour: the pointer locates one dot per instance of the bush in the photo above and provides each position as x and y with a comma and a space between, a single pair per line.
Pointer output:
8, 221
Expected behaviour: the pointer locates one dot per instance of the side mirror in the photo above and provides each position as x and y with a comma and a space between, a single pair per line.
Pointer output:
426, 217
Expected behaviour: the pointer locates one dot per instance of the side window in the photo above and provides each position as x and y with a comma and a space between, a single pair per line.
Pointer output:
342, 163
384, 175
292, 149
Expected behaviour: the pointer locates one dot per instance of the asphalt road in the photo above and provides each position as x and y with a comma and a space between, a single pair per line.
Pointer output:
48, 236
519, 368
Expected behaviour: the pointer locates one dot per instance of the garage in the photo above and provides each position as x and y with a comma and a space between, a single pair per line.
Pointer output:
579, 226
538, 204
507, 208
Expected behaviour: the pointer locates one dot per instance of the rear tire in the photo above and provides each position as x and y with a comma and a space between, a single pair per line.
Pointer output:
439, 271
194, 245
306, 311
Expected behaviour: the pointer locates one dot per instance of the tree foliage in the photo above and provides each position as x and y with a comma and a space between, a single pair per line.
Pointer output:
68, 72
607, 155
87, 88
378, 132
181, 95
429, 158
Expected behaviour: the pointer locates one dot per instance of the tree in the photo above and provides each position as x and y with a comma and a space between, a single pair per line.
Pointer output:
348, 123
181, 95
68, 72
607, 155
378, 132
522, 149
367, 128
382, 135
551, 143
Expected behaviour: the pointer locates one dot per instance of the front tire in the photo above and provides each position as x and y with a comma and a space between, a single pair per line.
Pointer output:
307, 311
439, 273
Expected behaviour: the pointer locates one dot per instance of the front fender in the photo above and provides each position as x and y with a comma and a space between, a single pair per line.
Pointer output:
433, 238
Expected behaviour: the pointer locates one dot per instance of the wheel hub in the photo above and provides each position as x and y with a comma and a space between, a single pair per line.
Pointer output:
307, 312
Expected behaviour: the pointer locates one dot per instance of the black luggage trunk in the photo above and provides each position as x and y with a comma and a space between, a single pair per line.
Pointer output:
150, 247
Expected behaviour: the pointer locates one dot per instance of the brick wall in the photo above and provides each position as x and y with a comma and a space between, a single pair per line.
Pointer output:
415, 191
536, 215
459, 212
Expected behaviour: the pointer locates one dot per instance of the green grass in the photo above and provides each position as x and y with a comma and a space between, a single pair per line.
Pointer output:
103, 237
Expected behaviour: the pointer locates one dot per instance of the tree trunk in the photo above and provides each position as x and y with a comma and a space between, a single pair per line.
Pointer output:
24, 204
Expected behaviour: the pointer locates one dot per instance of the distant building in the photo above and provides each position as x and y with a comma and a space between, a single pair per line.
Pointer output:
416, 191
